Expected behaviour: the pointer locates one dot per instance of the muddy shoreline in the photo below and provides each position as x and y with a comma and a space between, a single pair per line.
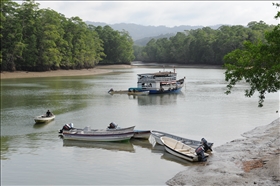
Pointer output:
56, 73
99, 69
254, 160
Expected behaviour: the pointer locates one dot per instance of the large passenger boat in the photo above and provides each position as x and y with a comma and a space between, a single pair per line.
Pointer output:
160, 82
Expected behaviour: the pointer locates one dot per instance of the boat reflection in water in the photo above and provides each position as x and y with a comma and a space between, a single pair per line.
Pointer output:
169, 157
143, 143
159, 99
112, 146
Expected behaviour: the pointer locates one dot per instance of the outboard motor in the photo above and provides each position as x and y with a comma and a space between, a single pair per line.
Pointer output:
112, 125
200, 153
67, 127
205, 145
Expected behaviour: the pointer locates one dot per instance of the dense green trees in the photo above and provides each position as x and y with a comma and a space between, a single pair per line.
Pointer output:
201, 46
258, 63
41, 39
118, 46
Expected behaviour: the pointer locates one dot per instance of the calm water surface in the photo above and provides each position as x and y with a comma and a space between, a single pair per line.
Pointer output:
35, 154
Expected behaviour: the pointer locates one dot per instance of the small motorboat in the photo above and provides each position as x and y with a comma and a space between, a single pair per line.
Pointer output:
142, 134
184, 151
193, 143
44, 118
130, 91
111, 133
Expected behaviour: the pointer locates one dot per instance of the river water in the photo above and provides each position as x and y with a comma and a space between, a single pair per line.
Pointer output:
35, 155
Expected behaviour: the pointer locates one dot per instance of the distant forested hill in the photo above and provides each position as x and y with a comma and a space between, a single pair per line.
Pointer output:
139, 32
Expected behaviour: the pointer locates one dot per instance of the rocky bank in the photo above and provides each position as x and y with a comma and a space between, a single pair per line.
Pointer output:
253, 160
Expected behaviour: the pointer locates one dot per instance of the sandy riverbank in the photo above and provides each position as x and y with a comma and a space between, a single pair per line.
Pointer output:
93, 71
254, 160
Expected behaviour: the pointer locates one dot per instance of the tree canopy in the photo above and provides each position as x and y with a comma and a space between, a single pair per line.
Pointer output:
201, 46
258, 63
36, 39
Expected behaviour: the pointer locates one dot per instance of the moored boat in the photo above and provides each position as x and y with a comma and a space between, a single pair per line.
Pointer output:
87, 134
130, 91
142, 134
182, 150
44, 118
193, 143
160, 82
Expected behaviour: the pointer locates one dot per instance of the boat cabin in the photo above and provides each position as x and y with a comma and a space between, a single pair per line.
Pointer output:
157, 81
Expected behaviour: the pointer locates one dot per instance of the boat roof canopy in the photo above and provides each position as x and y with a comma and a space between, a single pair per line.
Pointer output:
165, 73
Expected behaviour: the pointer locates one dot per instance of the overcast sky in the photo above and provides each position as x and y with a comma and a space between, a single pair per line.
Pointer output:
168, 13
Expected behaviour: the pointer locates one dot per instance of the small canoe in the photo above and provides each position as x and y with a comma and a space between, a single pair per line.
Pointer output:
44, 119
142, 134
193, 143
179, 149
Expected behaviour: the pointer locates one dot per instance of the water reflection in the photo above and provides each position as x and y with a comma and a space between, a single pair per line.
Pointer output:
143, 143
112, 146
159, 99
42, 125
169, 157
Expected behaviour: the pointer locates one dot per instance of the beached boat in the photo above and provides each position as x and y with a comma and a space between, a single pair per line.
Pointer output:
182, 150
142, 134
160, 82
88, 134
44, 118
193, 143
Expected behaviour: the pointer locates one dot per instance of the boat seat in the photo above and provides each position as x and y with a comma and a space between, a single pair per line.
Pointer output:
182, 150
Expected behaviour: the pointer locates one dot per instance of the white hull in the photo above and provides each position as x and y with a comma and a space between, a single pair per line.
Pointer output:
43, 119
142, 134
193, 143
92, 137
87, 134
180, 149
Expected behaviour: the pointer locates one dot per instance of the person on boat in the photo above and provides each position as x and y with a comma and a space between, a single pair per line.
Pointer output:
48, 113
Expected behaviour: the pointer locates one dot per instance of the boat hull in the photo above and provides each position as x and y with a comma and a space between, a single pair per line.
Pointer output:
193, 143
139, 93
87, 134
142, 93
99, 137
142, 134
43, 119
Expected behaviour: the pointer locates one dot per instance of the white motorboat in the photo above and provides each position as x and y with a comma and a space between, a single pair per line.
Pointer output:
44, 118
88, 134
184, 151
193, 143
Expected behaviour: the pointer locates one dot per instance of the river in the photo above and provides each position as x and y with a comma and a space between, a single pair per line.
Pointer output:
33, 154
